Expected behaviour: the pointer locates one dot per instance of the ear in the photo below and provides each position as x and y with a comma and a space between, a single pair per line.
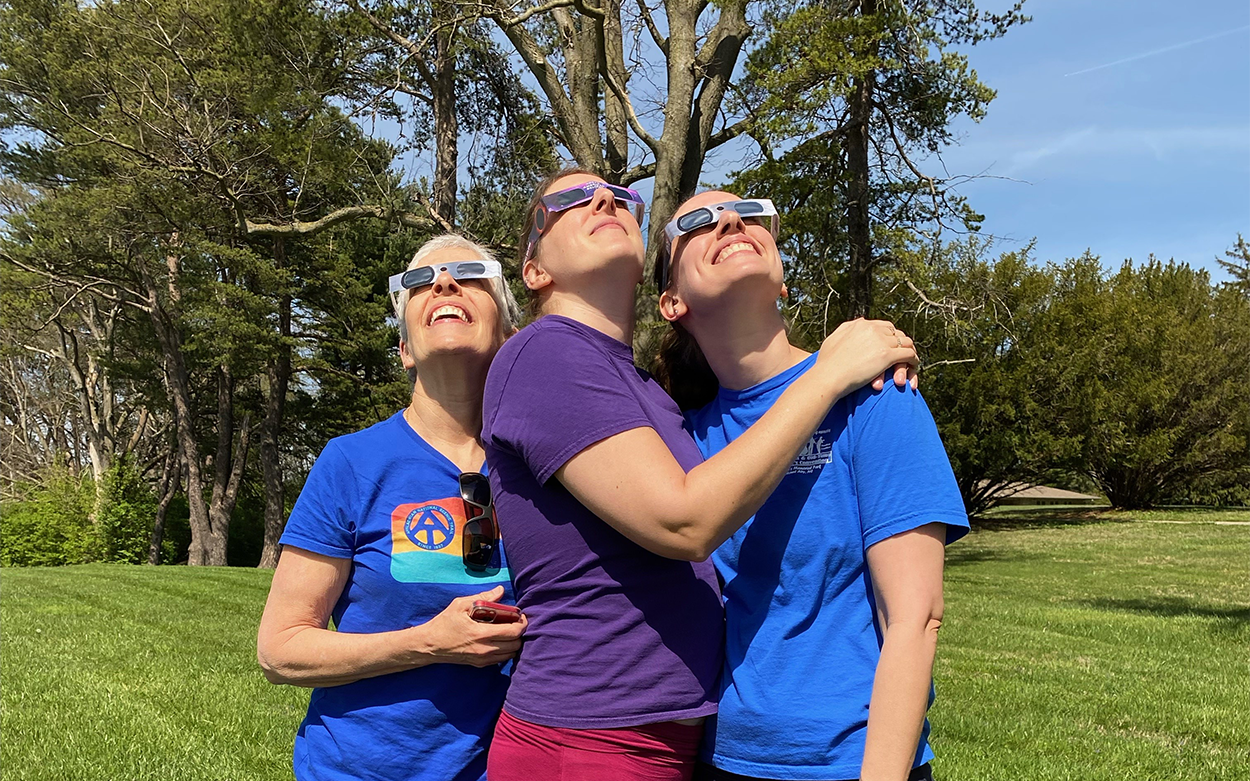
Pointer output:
405, 356
535, 277
785, 293
671, 307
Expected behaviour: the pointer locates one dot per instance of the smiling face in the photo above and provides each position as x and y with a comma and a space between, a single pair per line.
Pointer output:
590, 244
727, 258
450, 316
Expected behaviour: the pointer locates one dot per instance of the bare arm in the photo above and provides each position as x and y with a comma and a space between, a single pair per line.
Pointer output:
632, 481
906, 572
294, 646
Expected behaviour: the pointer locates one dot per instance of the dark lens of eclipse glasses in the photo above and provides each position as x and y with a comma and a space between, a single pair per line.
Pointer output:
422, 275
695, 219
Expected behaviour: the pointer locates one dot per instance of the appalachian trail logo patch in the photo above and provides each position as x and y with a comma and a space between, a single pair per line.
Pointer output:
427, 543
430, 527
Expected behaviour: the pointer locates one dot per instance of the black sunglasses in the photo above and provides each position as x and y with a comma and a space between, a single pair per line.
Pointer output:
481, 533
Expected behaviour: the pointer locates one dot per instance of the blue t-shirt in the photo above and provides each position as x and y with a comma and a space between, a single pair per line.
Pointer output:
802, 640
390, 502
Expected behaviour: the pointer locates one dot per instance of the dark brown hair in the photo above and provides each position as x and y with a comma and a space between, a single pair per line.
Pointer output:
680, 366
532, 299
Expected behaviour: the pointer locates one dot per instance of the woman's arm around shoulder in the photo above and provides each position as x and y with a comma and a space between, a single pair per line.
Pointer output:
633, 482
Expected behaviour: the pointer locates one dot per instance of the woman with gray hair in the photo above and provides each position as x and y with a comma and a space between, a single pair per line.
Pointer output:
394, 537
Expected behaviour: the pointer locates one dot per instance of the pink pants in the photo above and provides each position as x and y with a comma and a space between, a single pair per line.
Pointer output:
522, 751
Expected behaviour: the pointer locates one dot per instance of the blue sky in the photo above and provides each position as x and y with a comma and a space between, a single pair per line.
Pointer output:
1121, 127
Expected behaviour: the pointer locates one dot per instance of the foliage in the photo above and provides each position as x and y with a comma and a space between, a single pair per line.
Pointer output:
126, 506
1236, 262
1162, 357
979, 324
858, 97
49, 522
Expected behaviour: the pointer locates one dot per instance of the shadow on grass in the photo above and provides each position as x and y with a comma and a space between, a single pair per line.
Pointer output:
1040, 518
963, 555
1232, 621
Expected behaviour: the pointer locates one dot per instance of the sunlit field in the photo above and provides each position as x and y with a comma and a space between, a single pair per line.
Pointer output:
1077, 645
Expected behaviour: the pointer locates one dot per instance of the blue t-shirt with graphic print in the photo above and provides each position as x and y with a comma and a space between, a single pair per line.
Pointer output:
390, 502
802, 639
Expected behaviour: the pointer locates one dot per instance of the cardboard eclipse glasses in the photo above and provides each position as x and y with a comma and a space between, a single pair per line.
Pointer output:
569, 197
758, 210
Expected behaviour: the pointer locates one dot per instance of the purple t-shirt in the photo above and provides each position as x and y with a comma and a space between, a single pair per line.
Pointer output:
618, 636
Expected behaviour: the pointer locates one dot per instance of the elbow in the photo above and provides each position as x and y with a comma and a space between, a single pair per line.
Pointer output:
271, 664
924, 623
688, 545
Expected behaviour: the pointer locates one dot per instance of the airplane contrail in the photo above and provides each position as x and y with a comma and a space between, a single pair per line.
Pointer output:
1164, 50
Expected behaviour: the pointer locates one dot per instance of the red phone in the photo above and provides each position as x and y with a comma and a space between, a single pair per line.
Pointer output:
494, 613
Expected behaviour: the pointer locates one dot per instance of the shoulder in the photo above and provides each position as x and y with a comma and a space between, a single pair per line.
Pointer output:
361, 454
891, 400
553, 342
367, 440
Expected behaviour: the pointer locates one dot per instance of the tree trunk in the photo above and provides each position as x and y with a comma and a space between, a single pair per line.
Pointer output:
171, 478
227, 471
279, 376
446, 128
858, 226
179, 383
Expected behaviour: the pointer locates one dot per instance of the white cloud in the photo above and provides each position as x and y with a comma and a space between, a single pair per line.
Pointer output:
1159, 143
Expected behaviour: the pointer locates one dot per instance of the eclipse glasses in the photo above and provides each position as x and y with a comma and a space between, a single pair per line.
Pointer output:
425, 275
760, 211
569, 197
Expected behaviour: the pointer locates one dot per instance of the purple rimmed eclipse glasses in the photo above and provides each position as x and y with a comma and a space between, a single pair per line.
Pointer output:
577, 195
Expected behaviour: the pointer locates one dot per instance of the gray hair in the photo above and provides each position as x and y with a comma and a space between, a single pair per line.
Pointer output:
505, 302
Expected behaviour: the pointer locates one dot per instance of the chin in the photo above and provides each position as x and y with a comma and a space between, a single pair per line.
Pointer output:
449, 345
748, 281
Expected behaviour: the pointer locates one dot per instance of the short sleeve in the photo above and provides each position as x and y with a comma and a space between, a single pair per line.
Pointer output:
903, 478
554, 395
323, 519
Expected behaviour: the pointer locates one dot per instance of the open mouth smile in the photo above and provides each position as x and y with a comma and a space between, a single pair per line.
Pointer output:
449, 313
737, 246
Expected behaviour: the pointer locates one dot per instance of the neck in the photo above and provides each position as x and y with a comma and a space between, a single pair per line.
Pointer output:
610, 310
446, 407
744, 348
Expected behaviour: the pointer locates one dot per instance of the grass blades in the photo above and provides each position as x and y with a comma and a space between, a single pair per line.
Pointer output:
1074, 647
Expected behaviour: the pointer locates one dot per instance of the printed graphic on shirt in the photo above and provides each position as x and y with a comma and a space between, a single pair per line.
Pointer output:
427, 543
815, 454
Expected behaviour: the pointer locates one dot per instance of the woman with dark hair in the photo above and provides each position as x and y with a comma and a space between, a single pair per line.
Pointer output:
393, 538
833, 590
610, 511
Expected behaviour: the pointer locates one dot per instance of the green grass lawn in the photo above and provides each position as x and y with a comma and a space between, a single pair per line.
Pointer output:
1074, 647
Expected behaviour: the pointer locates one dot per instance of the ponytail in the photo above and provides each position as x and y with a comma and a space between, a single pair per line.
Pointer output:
681, 369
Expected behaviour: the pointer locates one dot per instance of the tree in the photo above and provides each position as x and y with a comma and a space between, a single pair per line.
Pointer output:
980, 324
1236, 262
177, 159
591, 63
859, 95
1165, 356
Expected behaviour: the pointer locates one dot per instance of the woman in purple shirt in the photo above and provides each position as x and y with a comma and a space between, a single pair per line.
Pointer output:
609, 511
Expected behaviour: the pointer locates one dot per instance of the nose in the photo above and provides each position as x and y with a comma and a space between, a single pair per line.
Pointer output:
729, 222
445, 285
603, 201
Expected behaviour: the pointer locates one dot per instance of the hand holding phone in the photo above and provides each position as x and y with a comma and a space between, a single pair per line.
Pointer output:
494, 612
